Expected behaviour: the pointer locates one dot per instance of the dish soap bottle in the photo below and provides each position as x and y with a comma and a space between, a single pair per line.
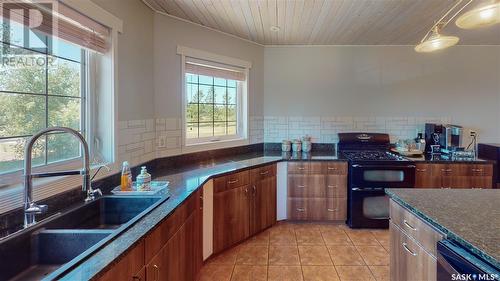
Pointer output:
126, 179
143, 180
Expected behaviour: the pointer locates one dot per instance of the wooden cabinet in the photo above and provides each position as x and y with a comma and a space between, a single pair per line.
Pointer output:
317, 191
130, 267
244, 204
171, 252
413, 246
231, 217
453, 175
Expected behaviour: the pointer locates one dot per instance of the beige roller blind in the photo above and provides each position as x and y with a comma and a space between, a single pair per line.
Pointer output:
57, 19
214, 69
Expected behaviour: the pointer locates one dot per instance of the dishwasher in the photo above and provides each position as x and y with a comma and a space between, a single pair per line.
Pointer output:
456, 263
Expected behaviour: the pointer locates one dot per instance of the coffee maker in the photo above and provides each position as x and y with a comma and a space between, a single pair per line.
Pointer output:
441, 138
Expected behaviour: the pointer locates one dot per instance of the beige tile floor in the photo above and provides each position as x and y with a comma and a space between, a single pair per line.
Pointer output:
306, 252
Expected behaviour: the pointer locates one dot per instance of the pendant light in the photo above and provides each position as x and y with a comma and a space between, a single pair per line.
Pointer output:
433, 40
436, 42
482, 16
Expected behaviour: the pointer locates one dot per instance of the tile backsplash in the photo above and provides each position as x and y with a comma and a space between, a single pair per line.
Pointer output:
324, 129
142, 140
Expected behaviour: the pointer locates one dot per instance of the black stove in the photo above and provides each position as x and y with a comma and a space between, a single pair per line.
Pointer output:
372, 155
372, 168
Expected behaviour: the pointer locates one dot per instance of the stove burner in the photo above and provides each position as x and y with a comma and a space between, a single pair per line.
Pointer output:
372, 155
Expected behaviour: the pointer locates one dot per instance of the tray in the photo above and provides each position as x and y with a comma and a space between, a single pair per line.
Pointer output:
156, 186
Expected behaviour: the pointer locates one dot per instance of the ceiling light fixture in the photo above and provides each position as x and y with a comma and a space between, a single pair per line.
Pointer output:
433, 40
436, 42
482, 16
274, 28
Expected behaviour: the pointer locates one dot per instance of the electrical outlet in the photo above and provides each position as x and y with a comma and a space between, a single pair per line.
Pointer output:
162, 141
473, 133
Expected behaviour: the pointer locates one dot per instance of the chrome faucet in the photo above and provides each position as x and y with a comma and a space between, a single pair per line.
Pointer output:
30, 207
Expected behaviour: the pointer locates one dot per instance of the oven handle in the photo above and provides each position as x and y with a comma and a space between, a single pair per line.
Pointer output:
382, 166
367, 189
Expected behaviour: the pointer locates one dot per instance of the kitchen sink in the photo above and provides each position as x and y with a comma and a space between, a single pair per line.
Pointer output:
52, 248
105, 213
67, 238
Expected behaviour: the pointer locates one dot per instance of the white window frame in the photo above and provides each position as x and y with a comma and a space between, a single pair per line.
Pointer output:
11, 188
241, 138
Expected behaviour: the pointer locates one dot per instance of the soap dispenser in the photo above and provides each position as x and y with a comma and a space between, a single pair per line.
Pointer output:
143, 180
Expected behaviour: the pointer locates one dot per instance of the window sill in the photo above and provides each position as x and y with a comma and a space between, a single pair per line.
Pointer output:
202, 146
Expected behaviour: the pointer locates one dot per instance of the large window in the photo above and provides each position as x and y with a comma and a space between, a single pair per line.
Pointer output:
39, 88
213, 103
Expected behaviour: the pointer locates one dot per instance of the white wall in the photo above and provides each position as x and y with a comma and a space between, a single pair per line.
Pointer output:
135, 60
169, 33
460, 84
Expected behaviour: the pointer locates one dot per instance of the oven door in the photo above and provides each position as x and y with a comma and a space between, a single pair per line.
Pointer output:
368, 208
382, 175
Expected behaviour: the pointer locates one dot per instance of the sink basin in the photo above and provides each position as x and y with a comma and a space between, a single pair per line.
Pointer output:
105, 213
67, 238
52, 248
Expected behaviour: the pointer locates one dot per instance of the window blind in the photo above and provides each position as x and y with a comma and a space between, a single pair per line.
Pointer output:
57, 19
199, 67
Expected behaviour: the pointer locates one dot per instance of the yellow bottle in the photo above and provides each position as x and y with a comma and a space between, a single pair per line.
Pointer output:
126, 179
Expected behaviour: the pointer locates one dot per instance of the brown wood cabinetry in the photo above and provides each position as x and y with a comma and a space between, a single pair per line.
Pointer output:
244, 204
413, 246
172, 251
130, 267
453, 175
317, 191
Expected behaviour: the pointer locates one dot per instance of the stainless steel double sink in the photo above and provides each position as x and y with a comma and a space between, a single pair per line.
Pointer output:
36, 252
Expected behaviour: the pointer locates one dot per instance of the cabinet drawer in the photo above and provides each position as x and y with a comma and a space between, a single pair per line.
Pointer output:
306, 208
445, 170
336, 186
477, 170
423, 233
299, 167
409, 261
231, 181
335, 168
263, 172
303, 186
336, 209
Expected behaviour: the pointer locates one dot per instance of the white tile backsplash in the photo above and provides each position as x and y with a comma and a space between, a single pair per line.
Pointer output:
324, 129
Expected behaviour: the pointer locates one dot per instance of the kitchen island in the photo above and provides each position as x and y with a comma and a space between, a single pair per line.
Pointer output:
469, 218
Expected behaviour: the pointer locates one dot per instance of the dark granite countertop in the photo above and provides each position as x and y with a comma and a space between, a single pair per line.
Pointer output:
470, 217
445, 159
183, 182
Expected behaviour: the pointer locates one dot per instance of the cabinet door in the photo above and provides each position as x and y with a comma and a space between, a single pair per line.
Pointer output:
408, 260
263, 205
424, 177
231, 217
166, 264
129, 267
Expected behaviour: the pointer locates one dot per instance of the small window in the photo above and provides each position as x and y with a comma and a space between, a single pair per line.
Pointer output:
214, 102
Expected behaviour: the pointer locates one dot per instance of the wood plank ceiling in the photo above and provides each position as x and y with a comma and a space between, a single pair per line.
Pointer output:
324, 22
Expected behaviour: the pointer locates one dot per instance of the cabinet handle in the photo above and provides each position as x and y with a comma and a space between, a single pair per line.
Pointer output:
232, 181
301, 168
409, 225
136, 278
301, 209
246, 190
446, 170
301, 186
254, 190
332, 186
332, 210
157, 272
264, 173
408, 249
421, 170
332, 169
